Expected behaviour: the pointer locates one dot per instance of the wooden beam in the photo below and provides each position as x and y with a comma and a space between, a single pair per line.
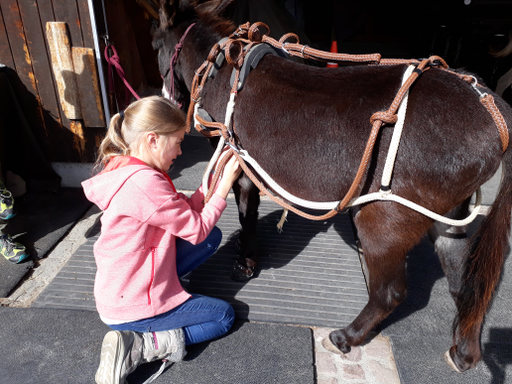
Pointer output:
148, 6
5, 48
67, 11
22, 59
63, 70
85, 24
84, 63
34, 33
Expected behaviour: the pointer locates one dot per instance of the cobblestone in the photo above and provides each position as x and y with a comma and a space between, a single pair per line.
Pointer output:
370, 363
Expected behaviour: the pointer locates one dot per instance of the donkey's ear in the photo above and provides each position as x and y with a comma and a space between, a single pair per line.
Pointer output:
167, 13
213, 7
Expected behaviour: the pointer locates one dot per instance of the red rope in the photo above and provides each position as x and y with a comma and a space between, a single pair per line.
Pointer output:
174, 60
115, 61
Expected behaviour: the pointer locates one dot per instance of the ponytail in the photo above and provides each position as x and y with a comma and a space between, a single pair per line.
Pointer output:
150, 114
113, 144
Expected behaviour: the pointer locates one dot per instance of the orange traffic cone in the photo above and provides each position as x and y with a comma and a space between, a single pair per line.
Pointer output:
334, 49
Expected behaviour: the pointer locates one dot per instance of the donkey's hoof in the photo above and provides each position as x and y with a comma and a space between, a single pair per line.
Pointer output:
449, 360
241, 273
329, 345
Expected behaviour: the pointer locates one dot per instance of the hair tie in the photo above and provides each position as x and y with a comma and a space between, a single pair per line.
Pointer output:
121, 113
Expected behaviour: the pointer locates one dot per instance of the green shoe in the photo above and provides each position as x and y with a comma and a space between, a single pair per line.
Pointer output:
11, 250
6, 203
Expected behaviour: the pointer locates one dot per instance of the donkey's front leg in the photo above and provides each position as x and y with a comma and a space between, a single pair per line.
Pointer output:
388, 288
385, 240
248, 199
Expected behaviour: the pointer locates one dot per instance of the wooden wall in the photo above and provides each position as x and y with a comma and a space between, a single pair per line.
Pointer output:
24, 48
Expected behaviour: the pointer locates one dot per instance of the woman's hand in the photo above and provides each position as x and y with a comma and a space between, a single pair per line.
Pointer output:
231, 172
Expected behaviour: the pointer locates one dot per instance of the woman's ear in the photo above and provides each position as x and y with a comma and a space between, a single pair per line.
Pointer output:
152, 139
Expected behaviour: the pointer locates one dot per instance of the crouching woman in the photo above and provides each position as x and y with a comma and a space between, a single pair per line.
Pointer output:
151, 235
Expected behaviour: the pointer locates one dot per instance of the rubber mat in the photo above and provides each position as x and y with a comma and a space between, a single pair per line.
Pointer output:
310, 274
46, 346
43, 218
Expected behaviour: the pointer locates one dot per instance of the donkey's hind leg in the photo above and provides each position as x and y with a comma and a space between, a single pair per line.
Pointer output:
451, 245
387, 232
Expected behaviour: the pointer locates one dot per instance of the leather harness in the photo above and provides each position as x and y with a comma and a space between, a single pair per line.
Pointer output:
248, 45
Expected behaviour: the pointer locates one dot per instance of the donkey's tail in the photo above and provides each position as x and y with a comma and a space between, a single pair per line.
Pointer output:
487, 255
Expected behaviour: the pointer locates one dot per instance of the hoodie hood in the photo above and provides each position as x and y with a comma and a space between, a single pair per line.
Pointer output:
101, 188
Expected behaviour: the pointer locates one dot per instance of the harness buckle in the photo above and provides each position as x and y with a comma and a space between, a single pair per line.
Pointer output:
474, 85
232, 146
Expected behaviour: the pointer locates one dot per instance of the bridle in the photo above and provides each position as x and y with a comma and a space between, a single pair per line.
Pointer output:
174, 60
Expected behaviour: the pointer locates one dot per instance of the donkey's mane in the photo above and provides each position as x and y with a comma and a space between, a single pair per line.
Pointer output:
219, 24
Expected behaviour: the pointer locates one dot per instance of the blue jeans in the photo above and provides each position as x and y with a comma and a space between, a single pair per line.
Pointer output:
202, 318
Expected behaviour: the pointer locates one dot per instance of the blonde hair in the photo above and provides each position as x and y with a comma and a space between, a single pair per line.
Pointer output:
149, 114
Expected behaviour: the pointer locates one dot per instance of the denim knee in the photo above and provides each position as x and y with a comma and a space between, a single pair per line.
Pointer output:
215, 237
229, 318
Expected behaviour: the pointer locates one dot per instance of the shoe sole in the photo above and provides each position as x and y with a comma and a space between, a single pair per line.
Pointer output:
8, 217
20, 259
112, 351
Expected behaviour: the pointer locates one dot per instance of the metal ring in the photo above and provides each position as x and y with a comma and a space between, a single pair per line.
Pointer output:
302, 50
284, 49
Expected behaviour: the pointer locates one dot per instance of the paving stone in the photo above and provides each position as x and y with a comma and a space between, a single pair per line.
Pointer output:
330, 380
353, 371
381, 374
378, 347
325, 363
355, 355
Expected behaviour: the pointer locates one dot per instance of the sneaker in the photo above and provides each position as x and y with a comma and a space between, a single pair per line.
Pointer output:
11, 250
6, 203
121, 353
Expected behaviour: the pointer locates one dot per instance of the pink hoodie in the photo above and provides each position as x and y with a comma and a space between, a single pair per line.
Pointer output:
136, 252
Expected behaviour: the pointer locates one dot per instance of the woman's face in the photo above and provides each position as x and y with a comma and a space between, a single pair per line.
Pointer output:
168, 149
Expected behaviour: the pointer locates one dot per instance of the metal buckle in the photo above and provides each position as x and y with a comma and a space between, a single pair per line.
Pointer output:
474, 85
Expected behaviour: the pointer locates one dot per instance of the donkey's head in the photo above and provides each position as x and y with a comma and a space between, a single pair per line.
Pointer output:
175, 18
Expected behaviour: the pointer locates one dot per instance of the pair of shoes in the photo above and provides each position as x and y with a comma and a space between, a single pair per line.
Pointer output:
12, 250
6, 203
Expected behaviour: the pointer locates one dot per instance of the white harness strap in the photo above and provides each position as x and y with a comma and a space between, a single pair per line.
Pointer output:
376, 196
230, 108
397, 134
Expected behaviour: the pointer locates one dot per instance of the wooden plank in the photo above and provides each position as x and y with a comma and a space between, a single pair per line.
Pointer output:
140, 25
78, 138
88, 86
63, 70
67, 11
149, 8
85, 23
22, 60
18, 44
5, 48
40, 60
46, 14
122, 37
